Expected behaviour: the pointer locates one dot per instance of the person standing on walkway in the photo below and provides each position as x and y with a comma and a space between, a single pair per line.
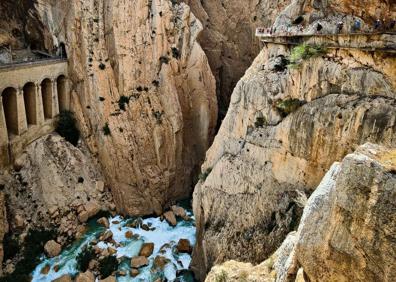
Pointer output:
377, 24
356, 25
340, 25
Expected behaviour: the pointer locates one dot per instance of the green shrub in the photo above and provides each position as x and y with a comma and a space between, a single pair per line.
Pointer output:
221, 277
106, 129
84, 257
203, 175
158, 116
107, 266
66, 126
304, 52
260, 122
288, 106
124, 100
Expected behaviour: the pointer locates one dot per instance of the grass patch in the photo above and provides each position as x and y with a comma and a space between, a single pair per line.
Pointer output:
66, 126
221, 277
288, 106
303, 52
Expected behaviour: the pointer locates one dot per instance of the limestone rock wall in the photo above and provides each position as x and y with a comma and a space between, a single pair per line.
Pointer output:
263, 158
53, 184
228, 38
143, 93
346, 231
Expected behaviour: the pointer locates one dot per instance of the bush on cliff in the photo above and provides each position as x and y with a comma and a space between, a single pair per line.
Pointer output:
303, 52
288, 106
66, 126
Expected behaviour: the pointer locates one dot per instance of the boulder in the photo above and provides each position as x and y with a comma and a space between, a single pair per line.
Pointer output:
184, 246
170, 218
147, 249
52, 248
139, 261
134, 272
109, 279
90, 209
64, 278
103, 221
129, 234
45, 269
85, 277
107, 236
179, 211
160, 262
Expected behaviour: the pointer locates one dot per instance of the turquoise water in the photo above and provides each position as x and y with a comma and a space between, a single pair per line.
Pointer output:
162, 235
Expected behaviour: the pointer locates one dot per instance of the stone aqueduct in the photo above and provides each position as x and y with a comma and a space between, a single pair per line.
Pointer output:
32, 94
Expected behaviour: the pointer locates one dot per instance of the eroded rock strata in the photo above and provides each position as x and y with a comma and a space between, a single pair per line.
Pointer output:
346, 231
143, 93
283, 130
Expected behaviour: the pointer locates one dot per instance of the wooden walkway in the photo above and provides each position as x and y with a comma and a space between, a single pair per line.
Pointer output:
369, 42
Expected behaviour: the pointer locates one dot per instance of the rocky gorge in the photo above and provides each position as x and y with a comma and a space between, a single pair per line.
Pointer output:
289, 144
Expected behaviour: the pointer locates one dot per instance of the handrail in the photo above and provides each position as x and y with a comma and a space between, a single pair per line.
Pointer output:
33, 62
260, 33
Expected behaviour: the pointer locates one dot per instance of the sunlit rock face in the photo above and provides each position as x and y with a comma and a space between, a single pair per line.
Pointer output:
143, 92
346, 231
268, 149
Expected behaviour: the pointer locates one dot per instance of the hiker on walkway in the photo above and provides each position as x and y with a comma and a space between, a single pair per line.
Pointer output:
377, 24
356, 26
340, 25
392, 24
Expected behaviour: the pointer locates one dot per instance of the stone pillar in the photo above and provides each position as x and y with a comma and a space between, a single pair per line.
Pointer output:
3, 137
55, 102
67, 93
21, 112
39, 105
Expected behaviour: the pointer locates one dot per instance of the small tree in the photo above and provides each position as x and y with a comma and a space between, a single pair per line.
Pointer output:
107, 266
66, 126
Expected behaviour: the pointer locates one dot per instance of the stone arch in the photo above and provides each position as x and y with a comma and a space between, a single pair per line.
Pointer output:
10, 107
29, 96
46, 94
63, 99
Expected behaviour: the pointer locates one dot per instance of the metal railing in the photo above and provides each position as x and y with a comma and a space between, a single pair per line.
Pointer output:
41, 61
265, 32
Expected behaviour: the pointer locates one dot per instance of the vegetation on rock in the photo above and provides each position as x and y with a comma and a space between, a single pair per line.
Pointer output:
288, 106
66, 126
303, 52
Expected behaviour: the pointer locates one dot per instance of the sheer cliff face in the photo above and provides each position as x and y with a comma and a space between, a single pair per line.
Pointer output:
283, 130
143, 92
228, 38
346, 229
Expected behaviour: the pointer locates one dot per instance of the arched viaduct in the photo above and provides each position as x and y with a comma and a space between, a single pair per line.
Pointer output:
31, 96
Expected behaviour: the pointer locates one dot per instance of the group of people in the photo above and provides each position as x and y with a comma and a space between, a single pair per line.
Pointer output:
378, 26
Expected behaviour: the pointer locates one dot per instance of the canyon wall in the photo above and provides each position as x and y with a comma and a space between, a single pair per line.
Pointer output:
284, 129
228, 38
143, 93
346, 231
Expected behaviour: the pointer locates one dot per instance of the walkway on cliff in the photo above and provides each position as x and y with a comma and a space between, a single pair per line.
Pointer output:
365, 41
32, 93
